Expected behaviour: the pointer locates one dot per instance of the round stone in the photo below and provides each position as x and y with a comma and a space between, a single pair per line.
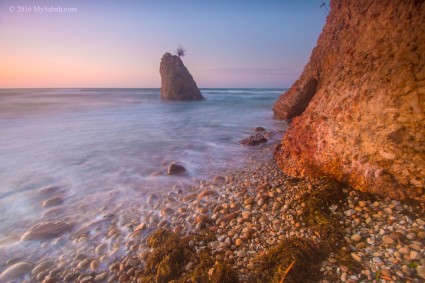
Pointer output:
356, 237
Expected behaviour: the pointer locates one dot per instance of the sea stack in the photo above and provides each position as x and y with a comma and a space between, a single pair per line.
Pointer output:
176, 81
357, 110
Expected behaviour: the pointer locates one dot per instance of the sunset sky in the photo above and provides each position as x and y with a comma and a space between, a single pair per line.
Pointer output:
119, 43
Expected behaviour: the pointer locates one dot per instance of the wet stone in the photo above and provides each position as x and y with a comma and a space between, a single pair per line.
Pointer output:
52, 202
16, 271
46, 230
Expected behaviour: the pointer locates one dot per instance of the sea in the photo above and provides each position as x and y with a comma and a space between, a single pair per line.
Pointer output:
106, 150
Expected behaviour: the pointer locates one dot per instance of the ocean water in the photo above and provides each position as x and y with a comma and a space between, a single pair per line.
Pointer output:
108, 149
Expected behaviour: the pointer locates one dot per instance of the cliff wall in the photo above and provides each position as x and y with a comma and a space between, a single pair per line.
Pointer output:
357, 110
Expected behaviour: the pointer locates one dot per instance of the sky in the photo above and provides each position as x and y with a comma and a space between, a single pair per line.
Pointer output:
119, 43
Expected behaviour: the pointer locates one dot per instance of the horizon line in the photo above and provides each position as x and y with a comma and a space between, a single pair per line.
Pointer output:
3, 88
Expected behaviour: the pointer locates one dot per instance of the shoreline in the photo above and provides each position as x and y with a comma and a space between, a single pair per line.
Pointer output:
369, 238
238, 219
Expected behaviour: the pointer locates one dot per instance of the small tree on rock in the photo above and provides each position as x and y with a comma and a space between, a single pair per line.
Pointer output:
180, 51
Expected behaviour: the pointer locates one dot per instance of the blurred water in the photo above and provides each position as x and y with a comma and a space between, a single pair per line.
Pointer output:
101, 146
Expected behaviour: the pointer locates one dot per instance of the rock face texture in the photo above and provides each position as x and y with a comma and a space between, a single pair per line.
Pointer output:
358, 107
176, 81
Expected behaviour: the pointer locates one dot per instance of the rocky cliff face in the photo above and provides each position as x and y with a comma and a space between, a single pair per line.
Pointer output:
176, 81
358, 107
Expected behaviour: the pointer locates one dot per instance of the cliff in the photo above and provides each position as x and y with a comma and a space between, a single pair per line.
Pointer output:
358, 107
176, 81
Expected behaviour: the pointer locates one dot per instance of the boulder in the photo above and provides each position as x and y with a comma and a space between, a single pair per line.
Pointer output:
176, 81
254, 140
175, 169
46, 230
357, 109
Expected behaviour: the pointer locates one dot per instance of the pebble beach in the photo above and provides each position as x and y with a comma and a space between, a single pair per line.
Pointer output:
242, 214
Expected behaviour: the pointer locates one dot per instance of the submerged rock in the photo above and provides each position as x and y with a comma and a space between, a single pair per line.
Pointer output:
48, 190
52, 202
46, 230
175, 169
254, 140
176, 81
16, 271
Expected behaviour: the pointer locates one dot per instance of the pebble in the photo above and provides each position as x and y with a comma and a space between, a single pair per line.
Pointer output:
41, 267
52, 202
46, 230
421, 272
356, 257
16, 271
245, 221
83, 264
362, 203
387, 240
94, 265
101, 277
189, 266
175, 169
356, 237
411, 236
246, 214
414, 255
404, 250
70, 277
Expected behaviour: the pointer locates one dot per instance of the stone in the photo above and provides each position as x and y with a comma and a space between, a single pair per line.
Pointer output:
246, 214
70, 277
386, 272
189, 266
241, 254
83, 264
48, 190
362, 203
387, 240
176, 81
259, 129
46, 230
94, 265
201, 218
228, 217
254, 140
101, 277
411, 236
363, 129
356, 237
421, 272
175, 169
404, 250
52, 202
414, 255
41, 267
356, 257
16, 271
